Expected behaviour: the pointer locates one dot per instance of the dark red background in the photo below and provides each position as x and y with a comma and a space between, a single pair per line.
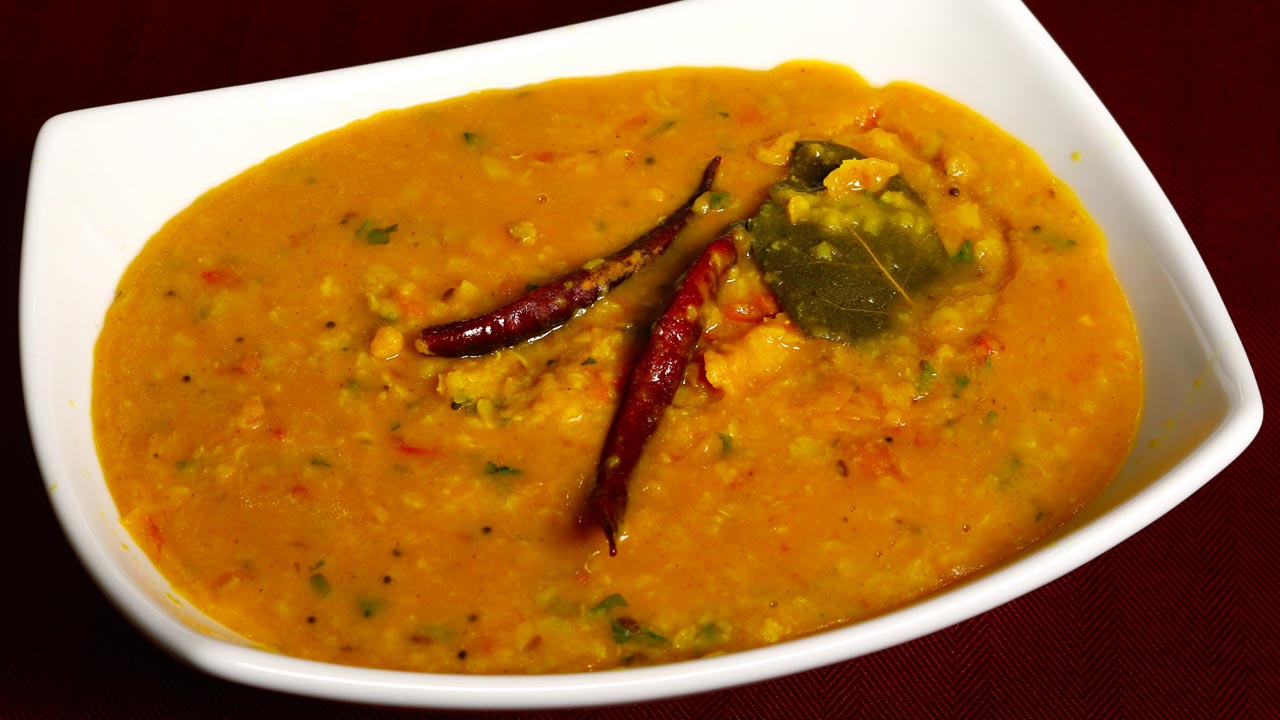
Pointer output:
1180, 621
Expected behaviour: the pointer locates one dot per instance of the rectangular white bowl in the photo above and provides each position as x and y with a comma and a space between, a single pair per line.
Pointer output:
104, 180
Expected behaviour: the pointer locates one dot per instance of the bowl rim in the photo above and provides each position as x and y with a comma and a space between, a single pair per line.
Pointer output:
1031, 569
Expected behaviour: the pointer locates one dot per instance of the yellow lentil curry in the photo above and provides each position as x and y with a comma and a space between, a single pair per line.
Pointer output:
301, 474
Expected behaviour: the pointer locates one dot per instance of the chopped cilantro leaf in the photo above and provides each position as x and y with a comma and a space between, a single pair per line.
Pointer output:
717, 200
492, 468
320, 585
613, 601
369, 606
665, 126
382, 236
626, 630
710, 632
726, 443
928, 374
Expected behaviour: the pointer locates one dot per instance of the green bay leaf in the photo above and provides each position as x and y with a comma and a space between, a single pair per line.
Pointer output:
841, 269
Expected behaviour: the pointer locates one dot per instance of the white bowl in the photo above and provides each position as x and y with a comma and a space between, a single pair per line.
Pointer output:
104, 180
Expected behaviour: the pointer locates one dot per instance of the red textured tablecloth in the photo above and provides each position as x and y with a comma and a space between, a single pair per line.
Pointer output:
1181, 620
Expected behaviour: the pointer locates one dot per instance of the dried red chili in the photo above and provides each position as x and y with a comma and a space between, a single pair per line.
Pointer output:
552, 305
653, 383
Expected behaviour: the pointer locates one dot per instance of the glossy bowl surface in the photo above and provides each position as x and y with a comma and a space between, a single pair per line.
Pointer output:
104, 180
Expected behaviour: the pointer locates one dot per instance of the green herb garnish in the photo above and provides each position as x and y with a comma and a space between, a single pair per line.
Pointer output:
726, 443
665, 126
626, 630
717, 200
320, 585
927, 374
709, 632
374, 235
604, 606
369, 606
492, 468
381, 236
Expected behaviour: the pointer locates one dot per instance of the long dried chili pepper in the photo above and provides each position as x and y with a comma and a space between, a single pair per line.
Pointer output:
552, 305
653, 383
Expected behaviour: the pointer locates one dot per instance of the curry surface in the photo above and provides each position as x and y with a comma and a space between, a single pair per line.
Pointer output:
422, 513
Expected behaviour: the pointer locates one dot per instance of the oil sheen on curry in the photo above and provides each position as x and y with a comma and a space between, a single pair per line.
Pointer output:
901, 358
